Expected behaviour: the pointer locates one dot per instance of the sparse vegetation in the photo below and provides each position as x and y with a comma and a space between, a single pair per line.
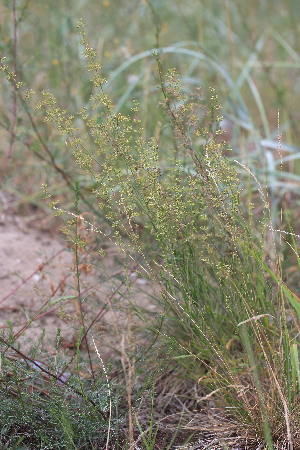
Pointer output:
142, 167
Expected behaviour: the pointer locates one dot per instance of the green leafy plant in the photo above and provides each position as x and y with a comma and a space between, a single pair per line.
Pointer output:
204, 251
172, 207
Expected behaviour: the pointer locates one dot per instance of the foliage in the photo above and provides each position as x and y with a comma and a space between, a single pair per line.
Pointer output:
211, 265
172, 202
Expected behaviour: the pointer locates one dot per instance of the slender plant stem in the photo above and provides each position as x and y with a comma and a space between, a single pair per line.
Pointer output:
15, 107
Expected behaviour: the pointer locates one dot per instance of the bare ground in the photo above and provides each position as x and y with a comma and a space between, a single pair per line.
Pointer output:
37, 269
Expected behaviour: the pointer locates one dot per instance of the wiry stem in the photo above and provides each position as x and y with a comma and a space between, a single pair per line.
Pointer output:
15, 110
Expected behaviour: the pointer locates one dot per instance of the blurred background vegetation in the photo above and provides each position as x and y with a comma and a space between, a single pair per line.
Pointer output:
248, 51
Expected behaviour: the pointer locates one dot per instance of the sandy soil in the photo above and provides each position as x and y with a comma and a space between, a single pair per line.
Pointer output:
36, 270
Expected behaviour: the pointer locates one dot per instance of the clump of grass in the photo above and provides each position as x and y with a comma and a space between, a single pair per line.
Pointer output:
225, 322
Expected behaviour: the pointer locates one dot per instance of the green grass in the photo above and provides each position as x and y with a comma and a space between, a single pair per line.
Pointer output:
141, 150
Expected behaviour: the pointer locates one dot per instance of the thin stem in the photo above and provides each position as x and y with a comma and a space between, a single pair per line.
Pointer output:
15, 109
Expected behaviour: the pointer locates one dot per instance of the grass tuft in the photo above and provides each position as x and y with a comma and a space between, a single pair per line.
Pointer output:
219, 354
